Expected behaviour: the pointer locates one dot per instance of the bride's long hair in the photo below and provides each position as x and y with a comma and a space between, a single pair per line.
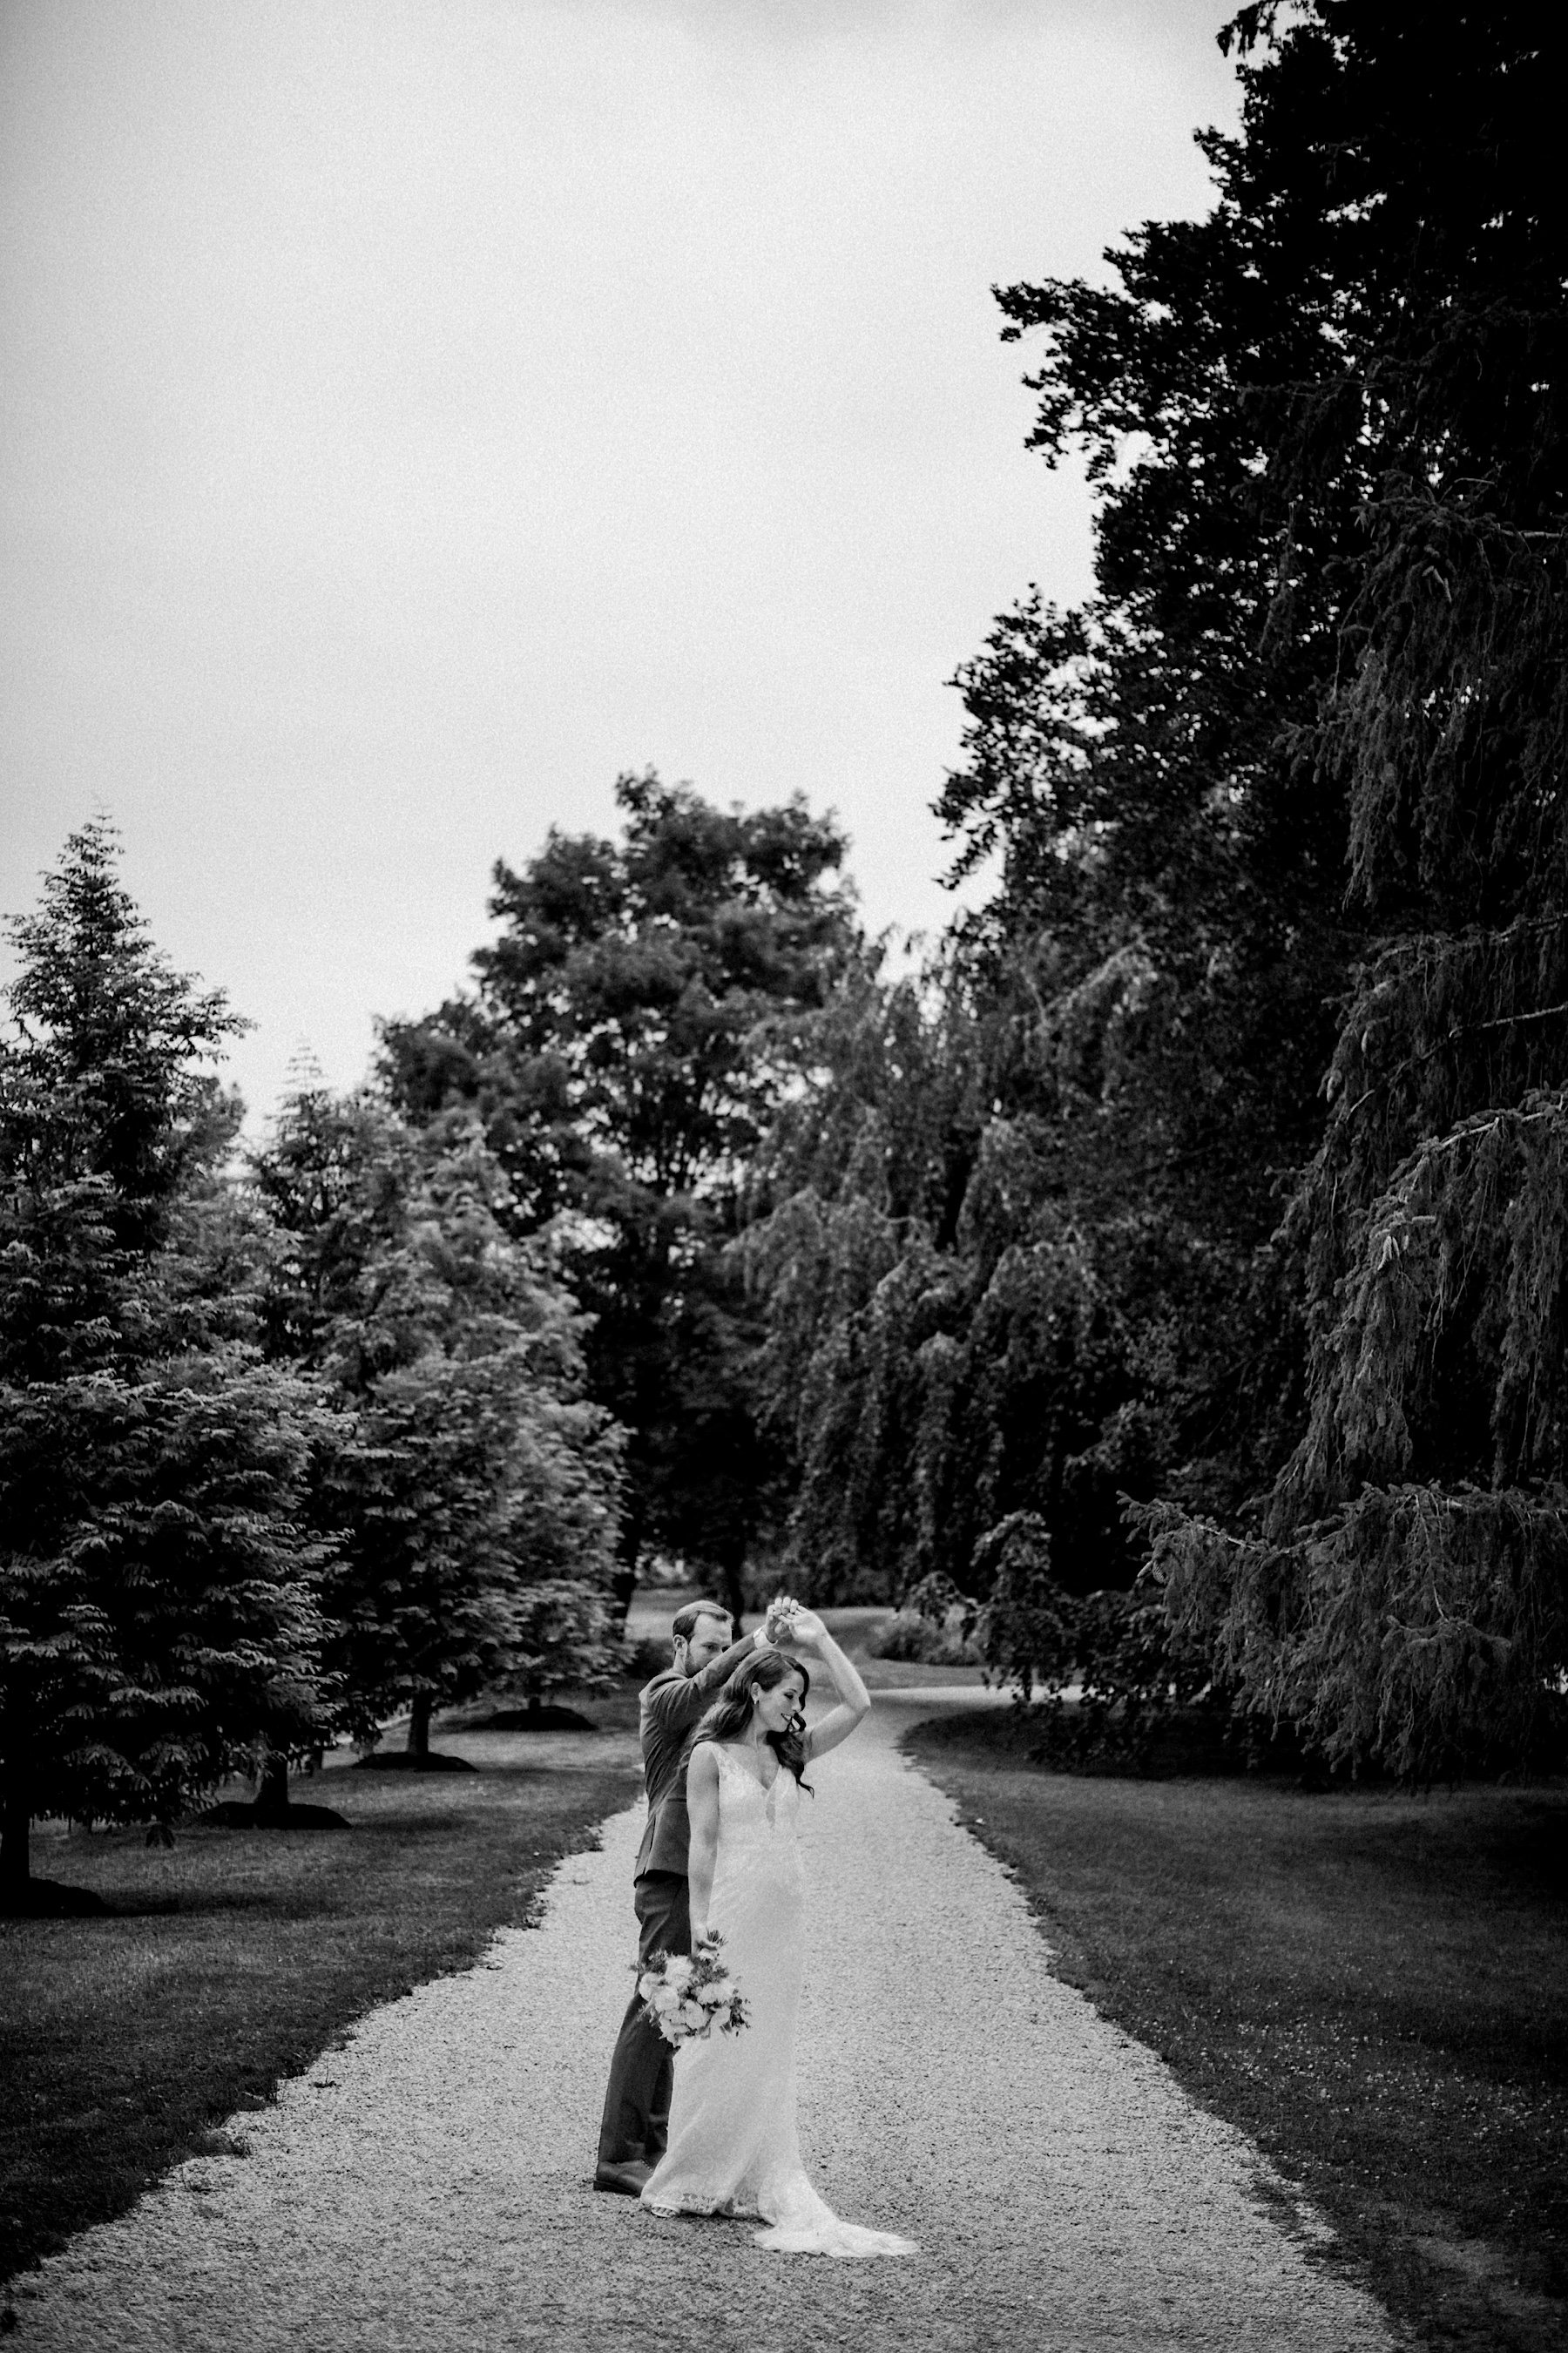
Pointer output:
730, 1714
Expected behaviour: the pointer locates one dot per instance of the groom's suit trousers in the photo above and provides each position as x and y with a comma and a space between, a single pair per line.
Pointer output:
642, 2071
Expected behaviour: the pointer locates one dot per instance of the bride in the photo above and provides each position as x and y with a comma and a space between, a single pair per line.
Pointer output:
734, 2145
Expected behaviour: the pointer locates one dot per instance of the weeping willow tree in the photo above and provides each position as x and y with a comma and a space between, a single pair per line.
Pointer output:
1403, 1594
1281, 808
943, 1349
1400, 1590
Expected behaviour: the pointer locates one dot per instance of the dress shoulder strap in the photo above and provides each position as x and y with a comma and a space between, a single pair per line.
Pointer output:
728, 1761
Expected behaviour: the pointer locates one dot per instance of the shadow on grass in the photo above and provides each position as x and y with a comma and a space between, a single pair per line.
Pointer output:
233, 1959
1368, 1983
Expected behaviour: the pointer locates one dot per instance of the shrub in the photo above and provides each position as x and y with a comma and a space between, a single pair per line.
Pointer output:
928, 1641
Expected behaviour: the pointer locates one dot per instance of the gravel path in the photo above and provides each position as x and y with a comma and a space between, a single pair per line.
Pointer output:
424, 2190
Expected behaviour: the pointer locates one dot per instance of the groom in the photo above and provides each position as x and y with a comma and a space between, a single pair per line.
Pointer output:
636, 2105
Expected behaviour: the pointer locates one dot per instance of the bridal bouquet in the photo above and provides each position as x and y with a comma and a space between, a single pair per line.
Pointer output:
686, 1995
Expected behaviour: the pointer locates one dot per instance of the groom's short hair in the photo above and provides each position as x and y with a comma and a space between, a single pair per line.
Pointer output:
683, 1625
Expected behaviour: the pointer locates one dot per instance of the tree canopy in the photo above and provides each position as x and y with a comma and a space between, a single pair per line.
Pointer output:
1173, 1271
158, 1582
1280, 808
471, 1496
1400, 1592
283, 1450
630, 1035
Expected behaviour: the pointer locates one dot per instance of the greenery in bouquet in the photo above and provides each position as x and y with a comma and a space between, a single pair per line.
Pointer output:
686, 1995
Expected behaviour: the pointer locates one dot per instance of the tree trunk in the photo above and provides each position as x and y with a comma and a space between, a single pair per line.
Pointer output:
14, 1825
419, 1725
16, 1812
623, 1585
272, 1791
733, 1595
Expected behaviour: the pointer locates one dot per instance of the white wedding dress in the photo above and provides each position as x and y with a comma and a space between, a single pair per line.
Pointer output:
733, 2143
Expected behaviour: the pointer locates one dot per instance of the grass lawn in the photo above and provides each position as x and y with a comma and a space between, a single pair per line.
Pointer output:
1371, 1985
233, 1959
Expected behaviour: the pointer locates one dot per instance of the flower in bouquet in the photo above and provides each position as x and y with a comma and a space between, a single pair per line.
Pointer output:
686, 1995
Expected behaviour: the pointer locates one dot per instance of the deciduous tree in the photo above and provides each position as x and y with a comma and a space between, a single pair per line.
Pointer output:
1284, 800
626, 1046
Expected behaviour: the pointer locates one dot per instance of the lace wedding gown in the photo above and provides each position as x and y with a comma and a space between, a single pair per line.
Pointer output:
733, 2143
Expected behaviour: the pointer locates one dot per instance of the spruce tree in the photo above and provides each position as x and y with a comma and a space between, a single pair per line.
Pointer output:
158, 1614
471, 1491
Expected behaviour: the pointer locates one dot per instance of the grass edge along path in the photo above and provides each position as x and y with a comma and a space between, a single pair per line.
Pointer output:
235, 1960
1370, 1985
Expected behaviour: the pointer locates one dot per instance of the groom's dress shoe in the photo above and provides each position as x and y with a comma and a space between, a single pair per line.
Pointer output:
628, 2178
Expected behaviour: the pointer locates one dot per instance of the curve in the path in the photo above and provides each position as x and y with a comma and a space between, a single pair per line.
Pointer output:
424, 2190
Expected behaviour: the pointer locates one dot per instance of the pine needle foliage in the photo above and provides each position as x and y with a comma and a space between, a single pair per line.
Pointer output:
160, 1618
472, 1494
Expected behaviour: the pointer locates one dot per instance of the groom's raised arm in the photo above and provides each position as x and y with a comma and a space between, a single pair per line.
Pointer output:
677, 1704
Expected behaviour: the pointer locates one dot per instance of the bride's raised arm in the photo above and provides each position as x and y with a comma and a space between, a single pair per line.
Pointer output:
809, 1634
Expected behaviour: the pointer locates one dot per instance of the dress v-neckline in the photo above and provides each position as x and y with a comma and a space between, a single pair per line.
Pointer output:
767, 1788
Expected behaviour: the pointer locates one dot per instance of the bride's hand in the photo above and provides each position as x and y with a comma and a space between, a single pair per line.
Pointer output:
699, 1933
778, 1624
807, 1631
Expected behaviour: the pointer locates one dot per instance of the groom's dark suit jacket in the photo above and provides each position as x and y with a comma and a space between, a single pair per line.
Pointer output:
670, 1706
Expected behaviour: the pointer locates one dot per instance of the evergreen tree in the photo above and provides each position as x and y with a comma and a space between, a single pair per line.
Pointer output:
158, 1615
472, 1495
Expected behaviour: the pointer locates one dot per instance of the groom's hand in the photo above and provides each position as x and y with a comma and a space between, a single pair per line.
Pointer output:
778, 1620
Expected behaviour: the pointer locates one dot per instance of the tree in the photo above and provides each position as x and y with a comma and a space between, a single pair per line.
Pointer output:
1400, 1589
943, 1353
1123, 1050
158, 1613
1294, 769
627, 1042
472, 1495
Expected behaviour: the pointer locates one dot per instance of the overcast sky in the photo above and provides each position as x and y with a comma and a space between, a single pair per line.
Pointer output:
417, 411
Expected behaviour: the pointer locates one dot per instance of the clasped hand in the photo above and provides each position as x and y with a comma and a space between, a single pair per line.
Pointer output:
792, 1627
